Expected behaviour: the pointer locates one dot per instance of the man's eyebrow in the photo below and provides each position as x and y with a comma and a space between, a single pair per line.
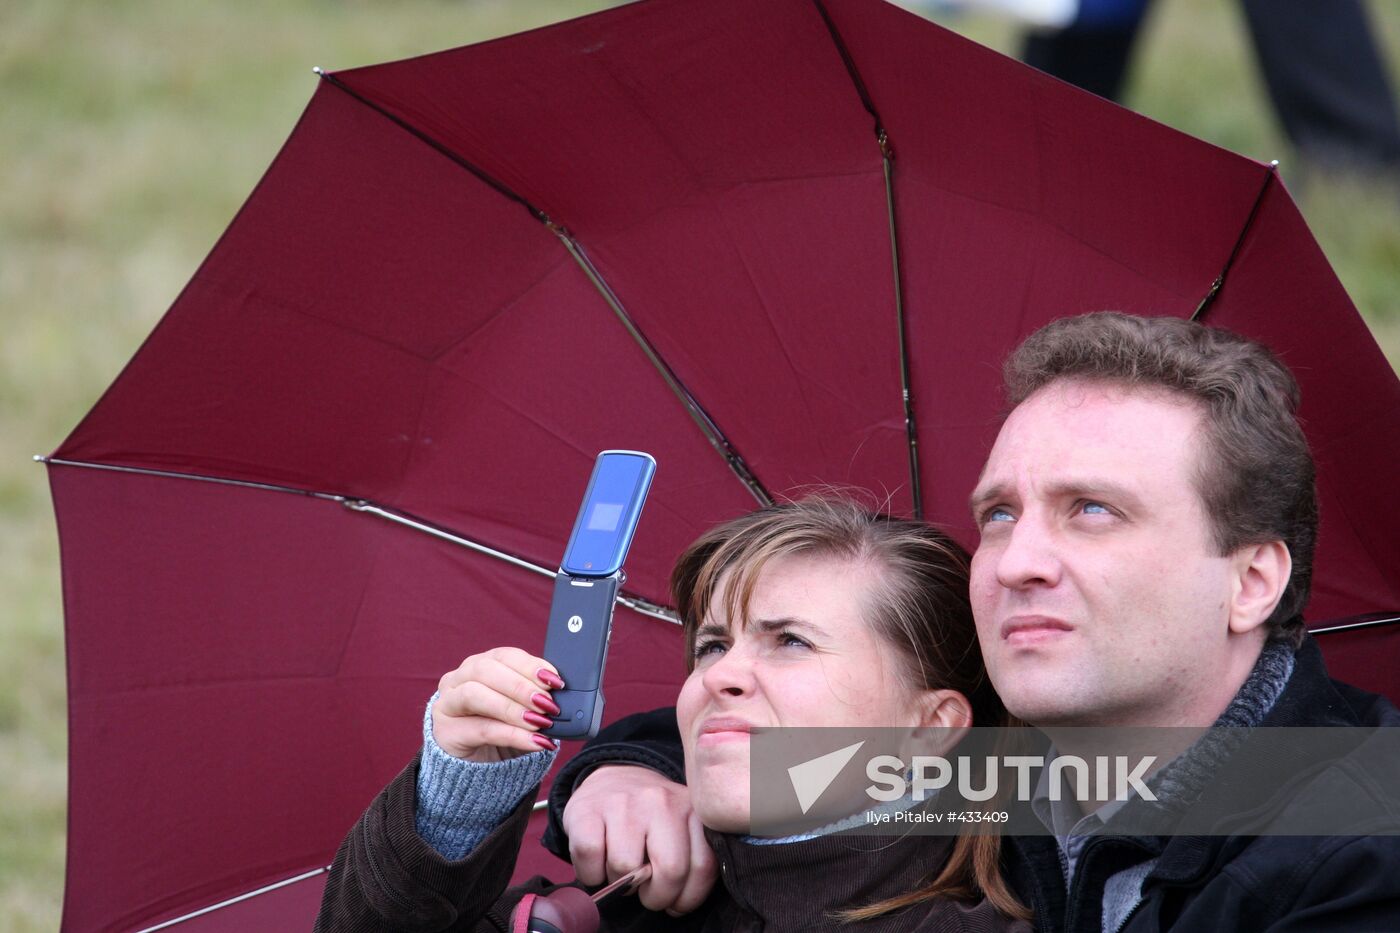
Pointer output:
1089, 487
1093, 487
980, 497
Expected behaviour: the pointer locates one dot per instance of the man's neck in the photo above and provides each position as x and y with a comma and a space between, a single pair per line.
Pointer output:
1253, 691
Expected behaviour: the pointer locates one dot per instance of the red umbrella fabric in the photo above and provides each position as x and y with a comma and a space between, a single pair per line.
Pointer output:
670, 227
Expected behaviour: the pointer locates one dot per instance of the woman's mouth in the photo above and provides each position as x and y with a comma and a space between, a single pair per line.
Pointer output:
720, 729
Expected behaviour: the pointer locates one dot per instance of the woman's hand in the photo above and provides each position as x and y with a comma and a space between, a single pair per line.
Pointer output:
493, 705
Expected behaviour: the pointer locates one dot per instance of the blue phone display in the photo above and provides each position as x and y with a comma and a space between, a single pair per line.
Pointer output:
608, 518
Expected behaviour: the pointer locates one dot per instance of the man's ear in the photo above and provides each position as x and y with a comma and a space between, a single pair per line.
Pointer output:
1261, 572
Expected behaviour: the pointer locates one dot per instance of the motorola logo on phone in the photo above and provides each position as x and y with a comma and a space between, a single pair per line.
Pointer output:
575, 624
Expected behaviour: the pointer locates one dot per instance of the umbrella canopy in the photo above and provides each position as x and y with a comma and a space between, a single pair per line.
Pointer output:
774, 244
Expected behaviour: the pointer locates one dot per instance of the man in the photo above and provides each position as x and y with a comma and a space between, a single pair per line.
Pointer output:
1147, 519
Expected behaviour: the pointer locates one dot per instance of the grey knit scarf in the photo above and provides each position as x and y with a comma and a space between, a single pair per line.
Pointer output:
1181, 782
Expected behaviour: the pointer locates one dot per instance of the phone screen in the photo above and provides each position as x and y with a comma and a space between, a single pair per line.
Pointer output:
604, 516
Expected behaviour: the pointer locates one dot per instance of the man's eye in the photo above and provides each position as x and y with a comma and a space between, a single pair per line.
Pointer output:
1095, 508
997, 514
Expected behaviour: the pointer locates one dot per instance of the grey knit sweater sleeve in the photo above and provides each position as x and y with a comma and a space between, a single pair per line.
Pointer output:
461, 802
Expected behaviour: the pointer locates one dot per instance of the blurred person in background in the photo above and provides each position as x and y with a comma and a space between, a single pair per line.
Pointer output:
1320, 60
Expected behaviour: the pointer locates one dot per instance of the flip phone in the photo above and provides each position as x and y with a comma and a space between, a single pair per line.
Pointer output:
585, 588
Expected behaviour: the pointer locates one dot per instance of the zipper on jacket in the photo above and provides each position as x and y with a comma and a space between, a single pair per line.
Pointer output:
1073, 898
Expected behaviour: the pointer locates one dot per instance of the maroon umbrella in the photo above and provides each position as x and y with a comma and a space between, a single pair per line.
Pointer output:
774, 244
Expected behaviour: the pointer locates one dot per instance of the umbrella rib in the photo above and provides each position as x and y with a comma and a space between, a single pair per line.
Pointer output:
498, 186
236, 900
172, 474
635, 603
1384, 618
1219, 282
911, 432
850, 64
887, 161
698, 414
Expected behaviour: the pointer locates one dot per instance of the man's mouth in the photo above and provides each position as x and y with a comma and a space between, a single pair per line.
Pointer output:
1028, 630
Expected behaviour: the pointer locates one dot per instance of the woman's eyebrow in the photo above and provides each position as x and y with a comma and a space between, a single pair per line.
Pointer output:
768, 626
711, 630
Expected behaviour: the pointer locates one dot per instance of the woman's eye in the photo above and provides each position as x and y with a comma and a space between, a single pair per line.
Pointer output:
788, 639
707, 648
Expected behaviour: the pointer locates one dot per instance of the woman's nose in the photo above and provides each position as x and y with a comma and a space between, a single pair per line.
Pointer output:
731, 674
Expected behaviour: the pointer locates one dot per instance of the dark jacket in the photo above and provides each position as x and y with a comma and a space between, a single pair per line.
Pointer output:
1239, 883
386, 877
1199, 883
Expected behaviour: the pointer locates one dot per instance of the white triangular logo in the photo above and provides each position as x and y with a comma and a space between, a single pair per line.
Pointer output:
811, 778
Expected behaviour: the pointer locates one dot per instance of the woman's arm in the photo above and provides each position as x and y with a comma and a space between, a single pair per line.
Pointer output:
387, 877
436, 848
460, 802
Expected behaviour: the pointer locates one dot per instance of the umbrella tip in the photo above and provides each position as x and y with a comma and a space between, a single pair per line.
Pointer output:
317, 70
40, 458
1273, 163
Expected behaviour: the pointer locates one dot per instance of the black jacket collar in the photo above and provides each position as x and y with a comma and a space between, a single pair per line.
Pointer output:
827, 873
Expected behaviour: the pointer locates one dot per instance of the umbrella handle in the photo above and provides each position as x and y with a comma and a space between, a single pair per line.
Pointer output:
567, 910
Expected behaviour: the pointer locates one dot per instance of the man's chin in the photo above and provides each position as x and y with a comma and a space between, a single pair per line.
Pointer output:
1042, 702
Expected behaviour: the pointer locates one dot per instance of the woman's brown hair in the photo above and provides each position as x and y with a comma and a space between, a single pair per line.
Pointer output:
919, 607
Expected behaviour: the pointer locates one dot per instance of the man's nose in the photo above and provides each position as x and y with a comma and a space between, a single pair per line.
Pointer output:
1030, 557
731, 674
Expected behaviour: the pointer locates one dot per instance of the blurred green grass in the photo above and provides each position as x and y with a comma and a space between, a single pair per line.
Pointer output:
133, 129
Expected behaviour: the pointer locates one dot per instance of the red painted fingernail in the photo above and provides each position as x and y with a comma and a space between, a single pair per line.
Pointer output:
544, 742
550, 679
536, 720
545, 704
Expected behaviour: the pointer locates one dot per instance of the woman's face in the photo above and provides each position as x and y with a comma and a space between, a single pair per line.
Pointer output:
806, 658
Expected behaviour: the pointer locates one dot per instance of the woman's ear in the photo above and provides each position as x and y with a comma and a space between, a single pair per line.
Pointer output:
948, 713
946, 709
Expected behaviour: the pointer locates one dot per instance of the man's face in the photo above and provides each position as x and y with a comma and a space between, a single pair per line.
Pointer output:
1099, 596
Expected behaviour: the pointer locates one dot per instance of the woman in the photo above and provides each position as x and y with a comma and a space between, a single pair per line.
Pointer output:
814, 613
